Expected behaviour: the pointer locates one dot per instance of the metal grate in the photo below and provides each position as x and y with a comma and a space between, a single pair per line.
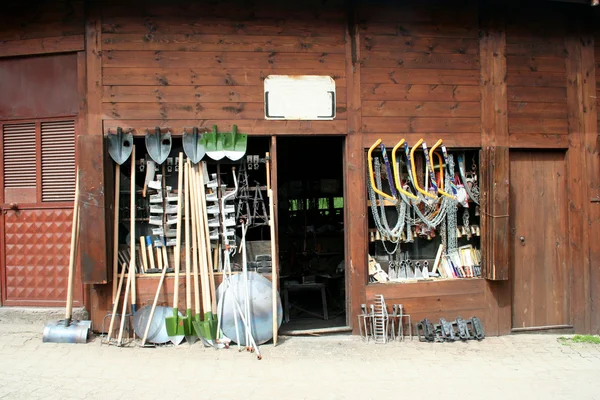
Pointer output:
19, 155
58, 161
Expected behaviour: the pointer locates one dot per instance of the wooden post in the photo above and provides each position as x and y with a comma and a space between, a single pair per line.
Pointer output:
496, 171
355, 199
583, 166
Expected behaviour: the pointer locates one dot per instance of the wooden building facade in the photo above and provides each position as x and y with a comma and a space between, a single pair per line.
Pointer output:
515, 82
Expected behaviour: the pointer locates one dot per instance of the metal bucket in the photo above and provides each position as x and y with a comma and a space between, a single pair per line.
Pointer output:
59, 332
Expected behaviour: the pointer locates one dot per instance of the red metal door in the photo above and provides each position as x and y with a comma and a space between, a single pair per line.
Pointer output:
37, 180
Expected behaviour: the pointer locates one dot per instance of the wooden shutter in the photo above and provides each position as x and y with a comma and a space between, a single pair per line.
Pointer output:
495, 241
58, 161
19, 162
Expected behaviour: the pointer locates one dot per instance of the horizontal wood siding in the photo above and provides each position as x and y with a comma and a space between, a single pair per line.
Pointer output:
434, 300
420, 71
536, 78
202, 64
47, 27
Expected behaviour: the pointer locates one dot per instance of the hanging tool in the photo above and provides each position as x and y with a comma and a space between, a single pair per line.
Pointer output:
234, 144
120, 147
432, 169
69, 330
193, 145
414, 171
397, 174
214, 144
158, 145
175, 324
373, 185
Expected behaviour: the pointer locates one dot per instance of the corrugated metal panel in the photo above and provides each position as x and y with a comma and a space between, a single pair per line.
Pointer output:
19, 155
58, 161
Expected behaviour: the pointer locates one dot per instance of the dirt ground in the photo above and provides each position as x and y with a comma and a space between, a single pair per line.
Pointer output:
330, 367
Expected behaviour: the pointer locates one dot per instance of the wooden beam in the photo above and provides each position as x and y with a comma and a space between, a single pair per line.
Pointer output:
583, 166
494, 134
93, 229
355, 204
27, 47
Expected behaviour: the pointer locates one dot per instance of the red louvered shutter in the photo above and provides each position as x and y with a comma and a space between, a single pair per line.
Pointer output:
58, 161
19, 162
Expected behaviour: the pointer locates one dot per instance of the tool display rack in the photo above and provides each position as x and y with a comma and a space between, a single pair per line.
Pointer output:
425, 244
153, 214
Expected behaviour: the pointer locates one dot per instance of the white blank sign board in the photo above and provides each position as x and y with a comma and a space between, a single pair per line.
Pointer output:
299, 97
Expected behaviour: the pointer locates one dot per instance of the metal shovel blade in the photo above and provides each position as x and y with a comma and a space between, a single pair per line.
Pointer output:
158, 145
234, 144
71, 332
193, 145
120, 146
214, 144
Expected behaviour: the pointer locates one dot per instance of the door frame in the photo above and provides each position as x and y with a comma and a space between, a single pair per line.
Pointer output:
347, 269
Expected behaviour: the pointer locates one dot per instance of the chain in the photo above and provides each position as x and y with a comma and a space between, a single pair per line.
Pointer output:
466, 218
451, 214
474, 195
381, 222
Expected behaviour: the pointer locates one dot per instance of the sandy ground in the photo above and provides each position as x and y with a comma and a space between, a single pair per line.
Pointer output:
329, 367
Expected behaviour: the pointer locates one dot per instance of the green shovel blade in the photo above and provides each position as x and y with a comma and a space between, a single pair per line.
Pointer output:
213, 143
206, 329
175, 324
234, 144
188, 326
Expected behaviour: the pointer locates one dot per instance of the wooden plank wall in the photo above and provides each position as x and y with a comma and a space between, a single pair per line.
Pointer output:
191, 64
49, 27
420, 73
537, 81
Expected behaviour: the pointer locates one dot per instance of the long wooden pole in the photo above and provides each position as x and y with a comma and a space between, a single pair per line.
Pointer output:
132, 231
116, 232
274, 272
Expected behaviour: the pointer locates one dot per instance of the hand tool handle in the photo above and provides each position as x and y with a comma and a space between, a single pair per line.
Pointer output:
211, 278
177, 261
132, 228
124, 312
150, 252
116, 231
116, 303
188, 286
73, 252
143, 252
193, 216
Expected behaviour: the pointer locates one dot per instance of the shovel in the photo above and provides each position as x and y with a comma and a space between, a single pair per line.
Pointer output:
69, 330
234, 144
214, 144
120, 146
193, 145
158, 145
175, 324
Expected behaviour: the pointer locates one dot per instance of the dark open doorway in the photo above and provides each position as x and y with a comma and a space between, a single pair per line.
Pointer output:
311, 232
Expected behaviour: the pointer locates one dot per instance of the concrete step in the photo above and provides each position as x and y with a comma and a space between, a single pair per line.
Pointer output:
37, 315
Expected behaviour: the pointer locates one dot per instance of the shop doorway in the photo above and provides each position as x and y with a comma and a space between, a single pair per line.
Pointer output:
310, 220
539, 242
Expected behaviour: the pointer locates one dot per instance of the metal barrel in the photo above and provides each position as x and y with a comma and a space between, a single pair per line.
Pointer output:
59, 333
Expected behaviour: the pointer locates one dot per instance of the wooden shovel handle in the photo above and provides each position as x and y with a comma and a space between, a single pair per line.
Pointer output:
73, 250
